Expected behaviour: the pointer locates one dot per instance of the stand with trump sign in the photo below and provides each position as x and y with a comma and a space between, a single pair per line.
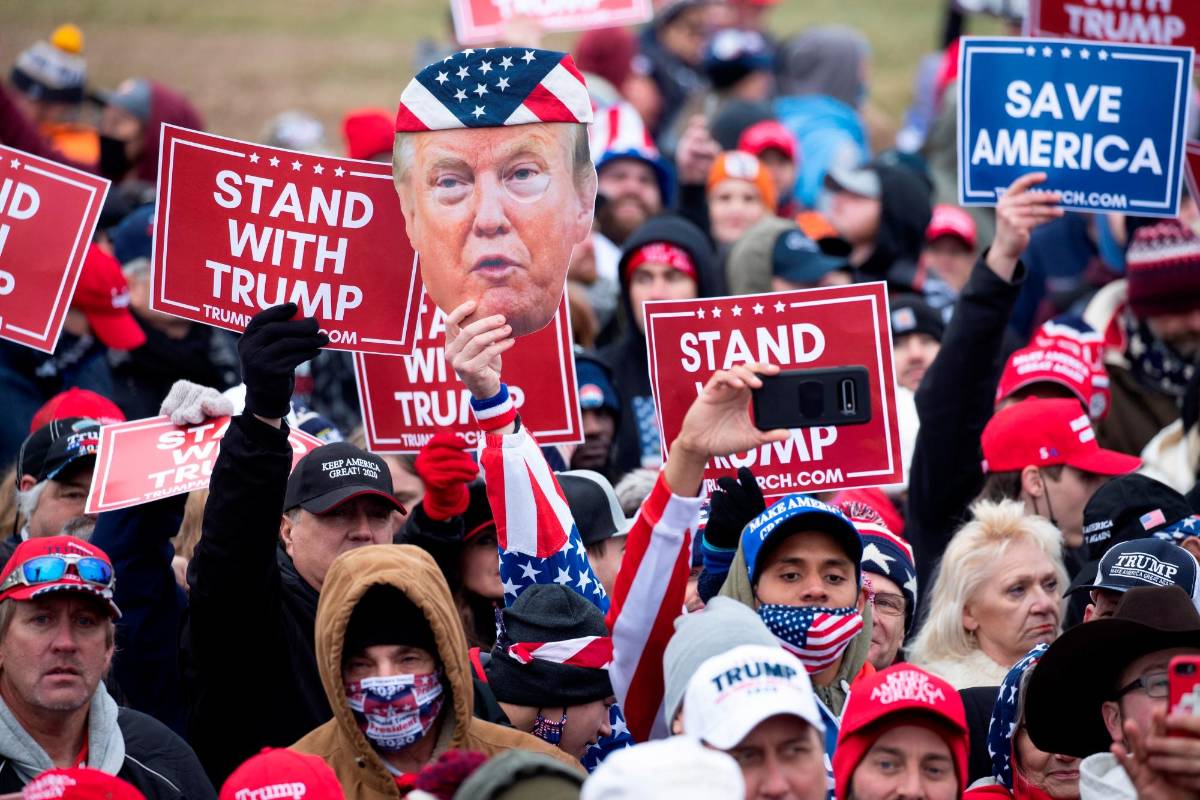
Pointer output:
1105, 122
839, 326
242, 227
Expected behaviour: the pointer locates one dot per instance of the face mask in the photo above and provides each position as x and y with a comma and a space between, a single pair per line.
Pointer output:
396, 710
816, 636
114, 159
549, 732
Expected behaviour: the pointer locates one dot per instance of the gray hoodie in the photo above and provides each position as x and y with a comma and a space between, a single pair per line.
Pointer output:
105, 744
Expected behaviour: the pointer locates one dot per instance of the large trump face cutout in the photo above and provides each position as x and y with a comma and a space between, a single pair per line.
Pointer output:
495, 179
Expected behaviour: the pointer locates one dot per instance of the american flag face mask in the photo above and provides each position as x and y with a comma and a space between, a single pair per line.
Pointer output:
816, 636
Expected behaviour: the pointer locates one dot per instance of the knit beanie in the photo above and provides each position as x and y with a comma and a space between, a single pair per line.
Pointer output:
546, 612
521, 775
899, 695
54, 70
911, 314
384, 615
723, 625
1163, 269
736, 165
886, 554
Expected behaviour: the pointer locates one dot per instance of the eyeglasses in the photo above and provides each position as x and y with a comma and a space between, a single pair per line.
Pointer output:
48, 569
892, 605
1155, 683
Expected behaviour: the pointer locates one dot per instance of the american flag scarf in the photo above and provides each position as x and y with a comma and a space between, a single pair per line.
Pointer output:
816, 636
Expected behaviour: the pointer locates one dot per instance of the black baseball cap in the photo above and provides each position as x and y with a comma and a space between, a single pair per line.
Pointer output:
1128, 507
335, 473
57, 445
594, 505
799, 259
1145, 562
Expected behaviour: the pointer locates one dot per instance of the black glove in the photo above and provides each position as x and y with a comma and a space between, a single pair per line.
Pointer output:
272, 347
734, 504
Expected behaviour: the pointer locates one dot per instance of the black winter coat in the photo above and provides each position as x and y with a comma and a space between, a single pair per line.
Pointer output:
158, 763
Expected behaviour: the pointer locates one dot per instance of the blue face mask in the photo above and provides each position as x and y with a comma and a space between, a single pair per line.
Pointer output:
816, 636
394, 711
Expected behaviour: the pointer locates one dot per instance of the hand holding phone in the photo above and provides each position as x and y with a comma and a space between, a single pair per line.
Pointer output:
1183, 677
805, 398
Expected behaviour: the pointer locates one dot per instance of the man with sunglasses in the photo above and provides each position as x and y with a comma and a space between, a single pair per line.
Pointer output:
57, 628
1100, 693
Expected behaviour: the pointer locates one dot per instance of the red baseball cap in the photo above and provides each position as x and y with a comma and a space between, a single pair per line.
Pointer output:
899, 695
1059, 360
369, 132
948, 220
76, 402
282, 773
768, 135
79, 783
69, 581
103, 297
1043, 433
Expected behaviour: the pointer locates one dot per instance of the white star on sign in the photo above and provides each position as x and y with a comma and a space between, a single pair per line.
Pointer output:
1085, 54
528, 57
737, 311
274, 162
463, 72
716, 312
758, 308
779, 306
339, 172
528, 572
1031, 50
873, 554
478, 112
699, 313
510, 587
296, 165
502, 84
460, 95
1066, 52
485, 67
480, 89
442, 78
15, 163
319, 169
506, 62
564, 577
1104, 55
1047, 51
254, 158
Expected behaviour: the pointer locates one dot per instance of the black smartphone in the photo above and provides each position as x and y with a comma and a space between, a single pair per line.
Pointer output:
804, 398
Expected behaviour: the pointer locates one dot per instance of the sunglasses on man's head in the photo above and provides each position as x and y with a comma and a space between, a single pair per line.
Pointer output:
48, 569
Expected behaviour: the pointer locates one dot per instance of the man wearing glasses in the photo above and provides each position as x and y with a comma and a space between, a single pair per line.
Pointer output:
887, 561
1100, 693
57, 627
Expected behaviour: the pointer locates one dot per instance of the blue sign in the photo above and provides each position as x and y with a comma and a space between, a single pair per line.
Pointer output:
1104, 121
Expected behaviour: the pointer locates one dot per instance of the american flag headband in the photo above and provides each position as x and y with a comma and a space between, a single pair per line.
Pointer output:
593, 652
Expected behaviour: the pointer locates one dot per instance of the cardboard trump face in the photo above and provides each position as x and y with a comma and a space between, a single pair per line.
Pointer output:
498, 187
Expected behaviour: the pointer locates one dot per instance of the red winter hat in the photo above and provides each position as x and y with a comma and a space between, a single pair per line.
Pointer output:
76, 402
103, 297
899, 695
1162, 268
77, 575
280, 774
768, 135
1044, 433
369, 132
79, 783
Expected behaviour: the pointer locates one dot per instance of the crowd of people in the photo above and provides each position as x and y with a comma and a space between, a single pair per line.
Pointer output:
519, 621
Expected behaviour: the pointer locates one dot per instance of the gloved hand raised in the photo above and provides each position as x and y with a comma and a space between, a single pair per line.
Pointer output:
273, 345
190, 403
733, 505
445, 467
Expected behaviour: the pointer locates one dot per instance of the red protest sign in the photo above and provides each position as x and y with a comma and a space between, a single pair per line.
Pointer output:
148, 459
483, 21
838, 326
1165, 22
407, 400
48, 214
241, 227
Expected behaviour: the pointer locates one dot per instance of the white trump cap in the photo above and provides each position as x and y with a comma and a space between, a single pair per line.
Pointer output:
731, 693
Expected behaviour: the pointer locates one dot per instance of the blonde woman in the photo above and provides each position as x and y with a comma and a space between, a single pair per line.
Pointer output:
998, 593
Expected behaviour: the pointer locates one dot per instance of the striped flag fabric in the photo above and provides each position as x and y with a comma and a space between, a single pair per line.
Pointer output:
492, 88
814, 635
594, 652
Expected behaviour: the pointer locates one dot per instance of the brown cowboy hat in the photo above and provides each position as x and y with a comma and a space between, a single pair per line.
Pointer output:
1081, 669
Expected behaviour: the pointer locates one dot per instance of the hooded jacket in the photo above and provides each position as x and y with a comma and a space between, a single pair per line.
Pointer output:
631, 375
359, 768
905, 210
1101, 777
